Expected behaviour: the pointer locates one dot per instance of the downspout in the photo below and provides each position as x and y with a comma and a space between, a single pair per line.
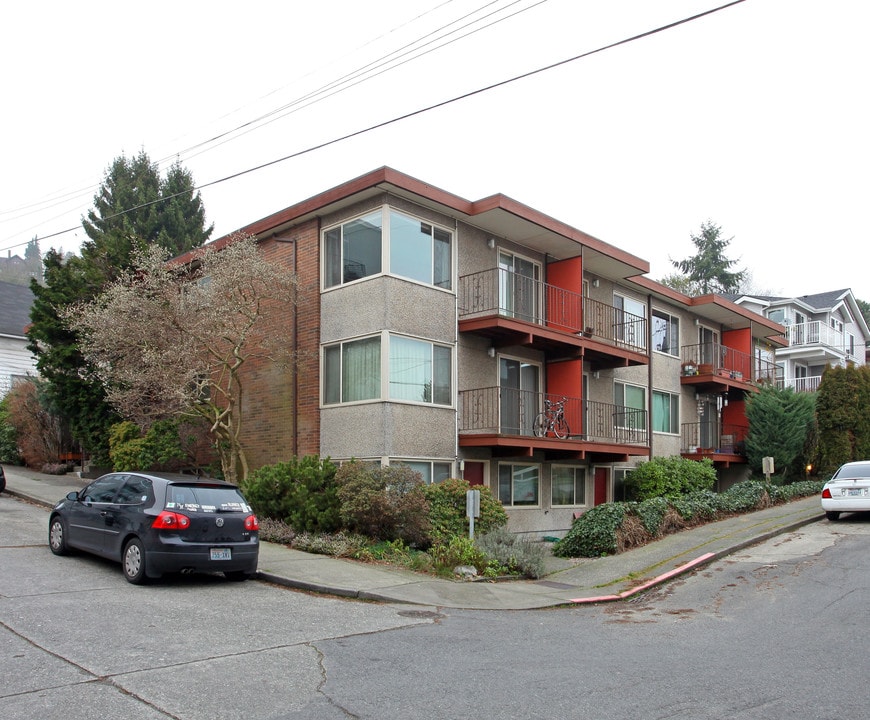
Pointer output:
649, 381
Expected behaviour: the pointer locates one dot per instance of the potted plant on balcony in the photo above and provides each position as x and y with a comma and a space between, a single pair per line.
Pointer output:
689, 368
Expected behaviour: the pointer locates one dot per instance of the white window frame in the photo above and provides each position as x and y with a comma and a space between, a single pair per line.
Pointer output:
578, 502
673, 328
510, 502
432, 366
428, 473
674, 405
386, 212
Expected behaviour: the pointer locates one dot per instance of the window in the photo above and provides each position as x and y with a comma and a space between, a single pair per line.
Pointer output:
666, 412
568, 485
777, 315
353, 250
352, 371
136, 490
414, 249
518, 485
630, 401
666, 333
419, 251
630, 321
104, 489
419, 371
431, 472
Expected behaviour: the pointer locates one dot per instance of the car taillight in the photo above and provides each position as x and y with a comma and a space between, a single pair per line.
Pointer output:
171, 521
251, 523
826, 493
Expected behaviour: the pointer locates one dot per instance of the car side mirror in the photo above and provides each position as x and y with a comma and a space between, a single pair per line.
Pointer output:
72, 496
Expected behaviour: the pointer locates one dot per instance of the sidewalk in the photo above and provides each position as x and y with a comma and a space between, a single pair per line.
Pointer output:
568, 582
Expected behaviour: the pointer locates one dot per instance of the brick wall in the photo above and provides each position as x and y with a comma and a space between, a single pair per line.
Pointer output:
281, 402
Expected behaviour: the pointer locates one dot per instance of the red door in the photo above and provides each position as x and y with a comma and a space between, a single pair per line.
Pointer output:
601, 475
473, 472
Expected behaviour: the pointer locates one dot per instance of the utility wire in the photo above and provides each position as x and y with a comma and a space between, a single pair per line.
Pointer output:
428, 108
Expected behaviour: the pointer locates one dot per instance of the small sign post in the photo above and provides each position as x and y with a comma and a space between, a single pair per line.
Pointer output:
767, 467
472, 509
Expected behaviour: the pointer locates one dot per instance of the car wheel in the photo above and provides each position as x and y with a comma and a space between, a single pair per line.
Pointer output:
57, 537
238, 575
2, 482
832, 515
133, 562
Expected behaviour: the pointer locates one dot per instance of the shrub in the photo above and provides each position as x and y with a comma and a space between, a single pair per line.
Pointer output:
670, 477
593, 533
455, 551
744, 496
511, 552
384, 503
447, 517
696, 507
651, 513
302, 493
160, 448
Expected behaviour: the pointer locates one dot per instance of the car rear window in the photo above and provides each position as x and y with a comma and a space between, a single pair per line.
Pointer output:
206, 499
853, 471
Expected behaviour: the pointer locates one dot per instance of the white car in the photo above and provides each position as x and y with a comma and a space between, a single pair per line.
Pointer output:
848, 490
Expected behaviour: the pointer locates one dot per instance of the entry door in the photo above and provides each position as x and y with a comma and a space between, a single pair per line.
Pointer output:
473, 472
601, 476
518, 286
519, 384
709, 343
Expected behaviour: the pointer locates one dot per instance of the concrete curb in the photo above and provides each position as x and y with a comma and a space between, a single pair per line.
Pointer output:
705, 559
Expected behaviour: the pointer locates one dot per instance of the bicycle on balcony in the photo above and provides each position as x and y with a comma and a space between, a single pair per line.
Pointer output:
552, 420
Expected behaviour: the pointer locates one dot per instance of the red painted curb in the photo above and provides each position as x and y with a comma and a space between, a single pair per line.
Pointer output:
650, 583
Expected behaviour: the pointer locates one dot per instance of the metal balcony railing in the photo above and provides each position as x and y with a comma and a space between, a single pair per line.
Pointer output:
713, 437
508, 294
716, 359
507, 411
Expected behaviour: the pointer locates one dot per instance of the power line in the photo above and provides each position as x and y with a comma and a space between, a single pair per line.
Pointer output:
428, 108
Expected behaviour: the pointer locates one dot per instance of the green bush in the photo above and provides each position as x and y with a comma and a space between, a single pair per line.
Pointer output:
743, 497
384, 503
8, 436
511, 552
456, 551
302, 493
447, 516
696, 507
594, 533
159, 448
669, 477
652, 514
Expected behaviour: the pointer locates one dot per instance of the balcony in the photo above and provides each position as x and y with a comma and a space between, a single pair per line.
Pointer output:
808, 383
723, 443
503, 419
714, 367
512, 309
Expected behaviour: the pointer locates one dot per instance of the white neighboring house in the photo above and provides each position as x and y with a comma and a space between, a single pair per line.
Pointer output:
823, 329
16, 361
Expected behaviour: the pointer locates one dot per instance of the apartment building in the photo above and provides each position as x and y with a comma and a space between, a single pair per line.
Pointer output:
822, 329
485, 340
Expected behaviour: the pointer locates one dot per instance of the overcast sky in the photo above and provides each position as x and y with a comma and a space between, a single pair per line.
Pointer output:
755, 117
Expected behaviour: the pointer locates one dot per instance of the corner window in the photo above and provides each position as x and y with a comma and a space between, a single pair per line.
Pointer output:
630, 321
567, 485
352, 371
518, 484
412, 249
665, 333
431, 472
419, 371
666, 412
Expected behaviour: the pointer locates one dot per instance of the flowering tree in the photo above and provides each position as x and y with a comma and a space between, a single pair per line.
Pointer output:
169, 340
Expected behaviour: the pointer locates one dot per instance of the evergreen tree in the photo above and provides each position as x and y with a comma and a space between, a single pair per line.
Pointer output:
779, 423
129, 214
844, 424
709, 269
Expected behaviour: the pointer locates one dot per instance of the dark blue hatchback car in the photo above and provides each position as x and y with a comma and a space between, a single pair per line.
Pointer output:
156, 523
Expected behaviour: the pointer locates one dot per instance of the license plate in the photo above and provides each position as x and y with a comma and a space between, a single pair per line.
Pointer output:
856, 492
221, 554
